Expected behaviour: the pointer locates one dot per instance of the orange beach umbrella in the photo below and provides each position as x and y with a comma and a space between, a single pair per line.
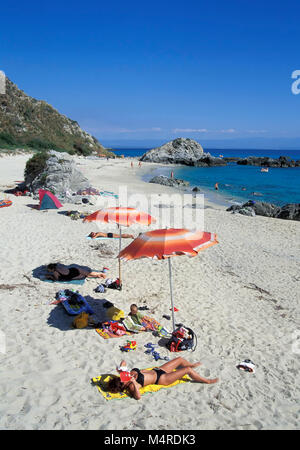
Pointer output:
122, 216
165, 243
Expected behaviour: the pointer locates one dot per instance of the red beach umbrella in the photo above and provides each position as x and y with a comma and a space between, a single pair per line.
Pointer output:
122, 216
165, 243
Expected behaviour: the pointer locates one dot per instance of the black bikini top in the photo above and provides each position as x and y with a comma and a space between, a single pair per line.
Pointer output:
140, 377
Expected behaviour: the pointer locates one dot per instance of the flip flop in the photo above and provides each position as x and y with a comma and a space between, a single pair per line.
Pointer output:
247, 365
150, 345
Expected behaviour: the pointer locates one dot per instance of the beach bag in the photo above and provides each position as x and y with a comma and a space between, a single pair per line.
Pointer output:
114, 313
81, 321
182, 338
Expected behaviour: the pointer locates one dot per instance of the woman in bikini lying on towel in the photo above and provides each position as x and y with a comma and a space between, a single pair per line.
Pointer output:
60, 272
110, 235
166, 374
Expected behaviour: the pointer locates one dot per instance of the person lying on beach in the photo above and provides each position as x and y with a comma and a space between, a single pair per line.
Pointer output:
164, 375
60, 272
110, 235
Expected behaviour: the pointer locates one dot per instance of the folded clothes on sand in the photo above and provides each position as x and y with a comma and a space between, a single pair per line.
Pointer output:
101, 383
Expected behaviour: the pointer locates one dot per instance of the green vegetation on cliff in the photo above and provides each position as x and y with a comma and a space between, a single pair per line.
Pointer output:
34, 124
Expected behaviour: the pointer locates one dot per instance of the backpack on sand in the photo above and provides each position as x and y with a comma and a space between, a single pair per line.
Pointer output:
182, 338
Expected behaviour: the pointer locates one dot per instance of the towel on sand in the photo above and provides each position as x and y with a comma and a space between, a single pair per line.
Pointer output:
148, 322
65, 282
130, 326
107, 334
101, 383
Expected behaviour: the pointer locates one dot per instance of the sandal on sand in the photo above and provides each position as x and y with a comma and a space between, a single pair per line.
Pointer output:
150, 345
247, 365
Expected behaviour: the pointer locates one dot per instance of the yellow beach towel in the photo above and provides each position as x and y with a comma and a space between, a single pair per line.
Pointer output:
101, 383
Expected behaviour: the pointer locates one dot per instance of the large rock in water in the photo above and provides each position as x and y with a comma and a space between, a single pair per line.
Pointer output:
58, 174
266, 161
181, 151
165, 181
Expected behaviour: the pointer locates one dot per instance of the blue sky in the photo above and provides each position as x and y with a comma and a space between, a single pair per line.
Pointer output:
144, 72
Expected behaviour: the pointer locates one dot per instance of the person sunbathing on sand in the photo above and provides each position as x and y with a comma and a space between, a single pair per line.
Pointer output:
110, 235
60, 272
164, 375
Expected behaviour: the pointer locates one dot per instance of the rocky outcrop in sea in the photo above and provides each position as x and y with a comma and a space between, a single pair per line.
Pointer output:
172, 182
290, 211
182, 151
265, 161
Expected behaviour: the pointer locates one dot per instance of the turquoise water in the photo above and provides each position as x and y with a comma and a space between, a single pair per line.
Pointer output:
240, 183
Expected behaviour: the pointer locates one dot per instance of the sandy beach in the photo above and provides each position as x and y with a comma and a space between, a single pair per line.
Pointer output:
241, 297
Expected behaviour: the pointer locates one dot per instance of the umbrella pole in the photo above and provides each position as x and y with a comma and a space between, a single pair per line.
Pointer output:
120, 240
171, 291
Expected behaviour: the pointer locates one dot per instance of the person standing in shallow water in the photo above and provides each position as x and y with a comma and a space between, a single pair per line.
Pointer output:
217, 186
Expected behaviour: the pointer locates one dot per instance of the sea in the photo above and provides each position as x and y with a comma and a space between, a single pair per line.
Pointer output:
236, 183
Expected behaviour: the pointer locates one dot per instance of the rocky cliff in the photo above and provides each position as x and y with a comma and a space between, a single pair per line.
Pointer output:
25, 121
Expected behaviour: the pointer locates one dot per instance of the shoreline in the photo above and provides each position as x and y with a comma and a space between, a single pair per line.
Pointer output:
218, 200
222, 197
136, 179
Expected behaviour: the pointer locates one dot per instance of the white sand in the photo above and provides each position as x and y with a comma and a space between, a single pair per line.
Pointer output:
46, 370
